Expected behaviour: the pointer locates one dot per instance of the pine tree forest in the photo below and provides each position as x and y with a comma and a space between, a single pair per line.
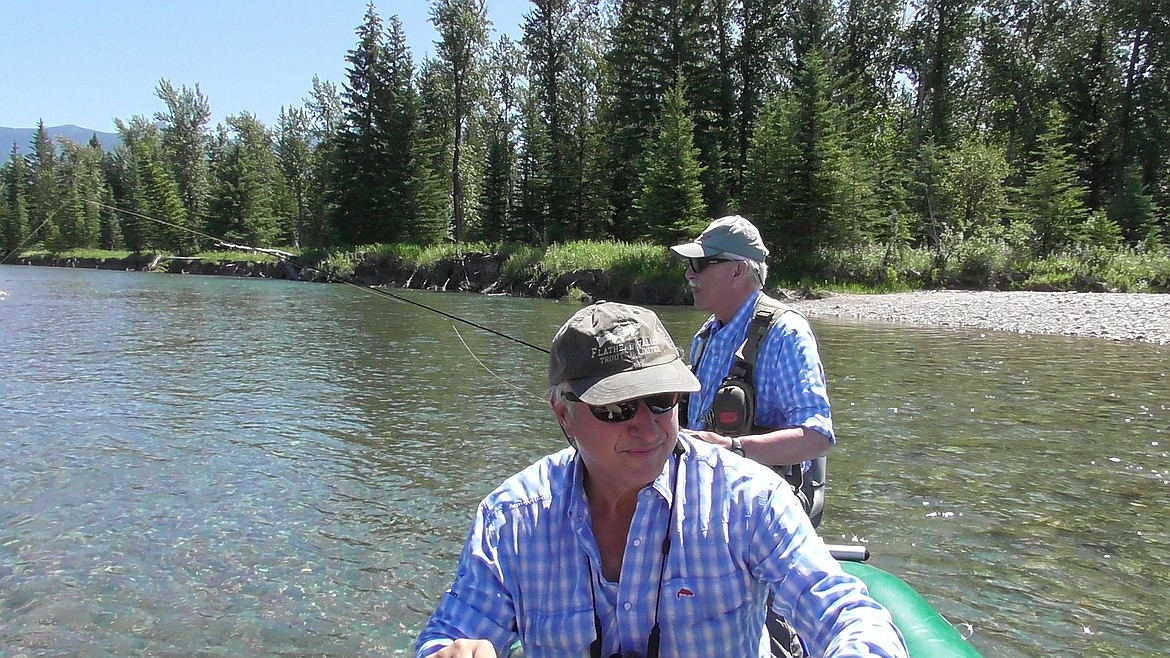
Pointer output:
1036, 128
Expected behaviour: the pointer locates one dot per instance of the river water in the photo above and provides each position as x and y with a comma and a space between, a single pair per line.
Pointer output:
205, 466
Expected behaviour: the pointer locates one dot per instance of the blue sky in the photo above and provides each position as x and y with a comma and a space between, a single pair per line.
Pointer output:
85, 62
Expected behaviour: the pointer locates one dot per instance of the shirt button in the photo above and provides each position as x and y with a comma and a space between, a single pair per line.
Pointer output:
637, 542
627, 605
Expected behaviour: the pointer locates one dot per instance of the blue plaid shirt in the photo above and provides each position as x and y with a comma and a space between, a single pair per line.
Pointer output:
788, 377
525, 570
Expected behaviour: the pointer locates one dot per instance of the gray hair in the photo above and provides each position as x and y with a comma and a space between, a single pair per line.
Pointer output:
759, 269
558, 390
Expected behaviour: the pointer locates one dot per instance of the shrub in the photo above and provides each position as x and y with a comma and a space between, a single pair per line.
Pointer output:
1135, 271
521, 261
980, 262
339, 264
882, 268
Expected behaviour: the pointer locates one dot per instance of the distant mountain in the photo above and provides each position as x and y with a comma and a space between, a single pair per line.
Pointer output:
22, 137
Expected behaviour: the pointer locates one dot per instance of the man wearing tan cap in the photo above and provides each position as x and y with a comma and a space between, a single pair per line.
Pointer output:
638, 540
763, 392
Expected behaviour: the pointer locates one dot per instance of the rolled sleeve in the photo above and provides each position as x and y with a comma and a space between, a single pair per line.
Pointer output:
476, 599
790, 379
829, 608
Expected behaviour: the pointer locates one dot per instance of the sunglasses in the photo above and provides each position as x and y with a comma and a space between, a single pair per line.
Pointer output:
620, 412
697, 265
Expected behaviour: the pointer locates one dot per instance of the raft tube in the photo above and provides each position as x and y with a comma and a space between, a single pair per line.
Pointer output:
927, 633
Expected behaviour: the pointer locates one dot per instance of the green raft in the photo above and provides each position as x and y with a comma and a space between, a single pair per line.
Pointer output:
927, 633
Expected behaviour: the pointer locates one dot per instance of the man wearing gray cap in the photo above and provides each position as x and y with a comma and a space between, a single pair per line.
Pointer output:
638, 540
763, 392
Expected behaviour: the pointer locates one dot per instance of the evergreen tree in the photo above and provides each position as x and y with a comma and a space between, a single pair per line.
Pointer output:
183, 127
99, 200
16, 208
433, 147
431, 191
1133, 210
368, 167
249, 185
150, 193
161, 202
5, 247
43, 190
638, 74
82, 183
670, 206
561, 68
429, 202
356, 198
1052, 198
797, 185
499, 178
109, 221
701, 52
534, 211
757, 53
887, 219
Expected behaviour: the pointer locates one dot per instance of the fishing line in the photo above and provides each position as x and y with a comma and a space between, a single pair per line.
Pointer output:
32, 233
490, 371
286, 257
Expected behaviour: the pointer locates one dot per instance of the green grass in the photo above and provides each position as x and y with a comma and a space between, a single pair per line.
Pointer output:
235, 257
637, 262
99, 254
975, 263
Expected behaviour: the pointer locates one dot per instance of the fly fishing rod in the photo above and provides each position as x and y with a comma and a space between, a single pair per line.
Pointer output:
332, 277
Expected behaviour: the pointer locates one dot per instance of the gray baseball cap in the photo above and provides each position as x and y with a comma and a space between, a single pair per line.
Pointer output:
727, 235
610, 352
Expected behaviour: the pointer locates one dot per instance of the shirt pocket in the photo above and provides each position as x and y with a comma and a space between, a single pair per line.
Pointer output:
698, 601
560, 634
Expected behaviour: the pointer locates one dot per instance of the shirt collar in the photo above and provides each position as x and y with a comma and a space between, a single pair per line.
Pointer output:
578, 504
745, 311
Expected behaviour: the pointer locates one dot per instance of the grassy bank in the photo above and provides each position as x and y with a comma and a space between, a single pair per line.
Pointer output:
980, 264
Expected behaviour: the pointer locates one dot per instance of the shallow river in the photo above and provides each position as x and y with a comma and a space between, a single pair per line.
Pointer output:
203, 466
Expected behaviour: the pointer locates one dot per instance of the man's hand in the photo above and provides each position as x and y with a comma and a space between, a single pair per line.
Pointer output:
466, 649
711, 437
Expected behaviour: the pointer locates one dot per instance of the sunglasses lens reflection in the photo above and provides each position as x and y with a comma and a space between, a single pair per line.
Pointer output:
620, 412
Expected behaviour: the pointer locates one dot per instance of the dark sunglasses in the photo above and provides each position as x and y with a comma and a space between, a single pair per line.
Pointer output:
620, 412
697, 265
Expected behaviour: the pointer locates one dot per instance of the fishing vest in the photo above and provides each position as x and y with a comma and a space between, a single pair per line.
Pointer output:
733, 408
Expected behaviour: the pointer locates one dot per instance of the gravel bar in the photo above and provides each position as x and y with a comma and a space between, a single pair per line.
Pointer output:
1112, 316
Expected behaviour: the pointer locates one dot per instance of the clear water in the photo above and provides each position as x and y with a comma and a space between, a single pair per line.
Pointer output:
204, 466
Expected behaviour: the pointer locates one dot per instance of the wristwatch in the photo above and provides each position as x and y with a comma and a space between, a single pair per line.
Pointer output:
737, 447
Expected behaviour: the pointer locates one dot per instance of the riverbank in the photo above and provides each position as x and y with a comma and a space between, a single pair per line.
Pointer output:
1112, 316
